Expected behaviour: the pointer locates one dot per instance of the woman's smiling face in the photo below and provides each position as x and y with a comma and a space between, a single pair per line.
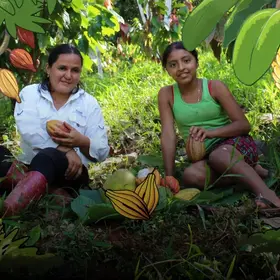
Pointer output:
65, 73
181, 66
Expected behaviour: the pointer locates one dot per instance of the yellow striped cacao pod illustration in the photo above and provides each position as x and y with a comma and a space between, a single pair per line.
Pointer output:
20, 58
9, 85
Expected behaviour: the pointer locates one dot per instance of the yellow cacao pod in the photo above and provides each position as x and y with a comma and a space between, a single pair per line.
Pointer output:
143, 173
9, 85
195, 149
52, 126
187, 194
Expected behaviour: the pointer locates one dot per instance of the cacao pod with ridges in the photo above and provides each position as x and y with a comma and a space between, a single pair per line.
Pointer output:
53, 125
20, 58
9, 85
195, 149
26, 37
187, 194
171, 183
143, 173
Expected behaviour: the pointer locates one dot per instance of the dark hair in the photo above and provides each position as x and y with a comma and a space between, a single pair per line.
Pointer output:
53, 56
175, 46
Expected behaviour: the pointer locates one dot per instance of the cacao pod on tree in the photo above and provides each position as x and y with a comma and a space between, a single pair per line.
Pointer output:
26, 37
9, 85
20, 58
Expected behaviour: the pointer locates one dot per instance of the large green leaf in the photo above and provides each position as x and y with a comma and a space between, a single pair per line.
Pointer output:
243, 9
202, 20
256, 45
22, 15
102, 211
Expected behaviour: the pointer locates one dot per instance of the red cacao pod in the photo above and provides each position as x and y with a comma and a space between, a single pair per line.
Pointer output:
195, 149
20, 58
26, 37
171, 183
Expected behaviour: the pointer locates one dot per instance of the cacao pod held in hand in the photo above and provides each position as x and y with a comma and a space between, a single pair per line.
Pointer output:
52, 127
195, 149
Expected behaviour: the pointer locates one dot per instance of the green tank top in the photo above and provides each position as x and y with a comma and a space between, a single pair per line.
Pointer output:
206, 113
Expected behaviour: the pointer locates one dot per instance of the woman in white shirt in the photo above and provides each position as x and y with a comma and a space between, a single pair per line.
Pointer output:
61, 157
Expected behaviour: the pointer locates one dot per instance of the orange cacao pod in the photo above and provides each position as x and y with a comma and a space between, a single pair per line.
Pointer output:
9, 85
20, 58
52, 125
195, 149
171, 183
26, 37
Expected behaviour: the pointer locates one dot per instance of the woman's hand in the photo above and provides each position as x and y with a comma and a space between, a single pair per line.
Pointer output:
73, 138
75, 166
199, 133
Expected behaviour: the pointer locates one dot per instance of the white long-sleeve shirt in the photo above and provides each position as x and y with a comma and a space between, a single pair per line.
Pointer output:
81, 111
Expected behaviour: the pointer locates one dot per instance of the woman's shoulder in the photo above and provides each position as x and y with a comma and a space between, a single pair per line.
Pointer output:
30, 91
165, 91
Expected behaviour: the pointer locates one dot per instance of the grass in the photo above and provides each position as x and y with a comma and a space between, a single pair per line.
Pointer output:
180, 242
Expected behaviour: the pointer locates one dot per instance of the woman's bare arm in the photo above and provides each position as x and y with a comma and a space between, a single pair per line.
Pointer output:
168, 135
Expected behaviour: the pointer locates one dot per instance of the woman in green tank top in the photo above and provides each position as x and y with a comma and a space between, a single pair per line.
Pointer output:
207, 111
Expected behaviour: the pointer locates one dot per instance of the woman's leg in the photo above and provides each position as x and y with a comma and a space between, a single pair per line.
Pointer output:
221, 158
196, 175
46, 167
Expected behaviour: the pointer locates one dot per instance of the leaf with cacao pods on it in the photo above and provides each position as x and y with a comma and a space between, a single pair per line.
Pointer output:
202, 20
256, 45
26, 37
9, 85
20, 58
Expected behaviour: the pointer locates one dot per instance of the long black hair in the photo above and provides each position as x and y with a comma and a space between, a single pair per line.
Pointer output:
175, 46
53, 56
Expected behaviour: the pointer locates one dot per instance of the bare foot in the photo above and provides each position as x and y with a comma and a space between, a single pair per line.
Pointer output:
270, 200
262, 172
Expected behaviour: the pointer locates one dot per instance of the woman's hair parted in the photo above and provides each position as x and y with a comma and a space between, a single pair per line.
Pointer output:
53, 56
175, 46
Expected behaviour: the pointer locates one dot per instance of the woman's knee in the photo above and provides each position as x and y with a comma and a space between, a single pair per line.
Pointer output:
195, 175
223, 154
